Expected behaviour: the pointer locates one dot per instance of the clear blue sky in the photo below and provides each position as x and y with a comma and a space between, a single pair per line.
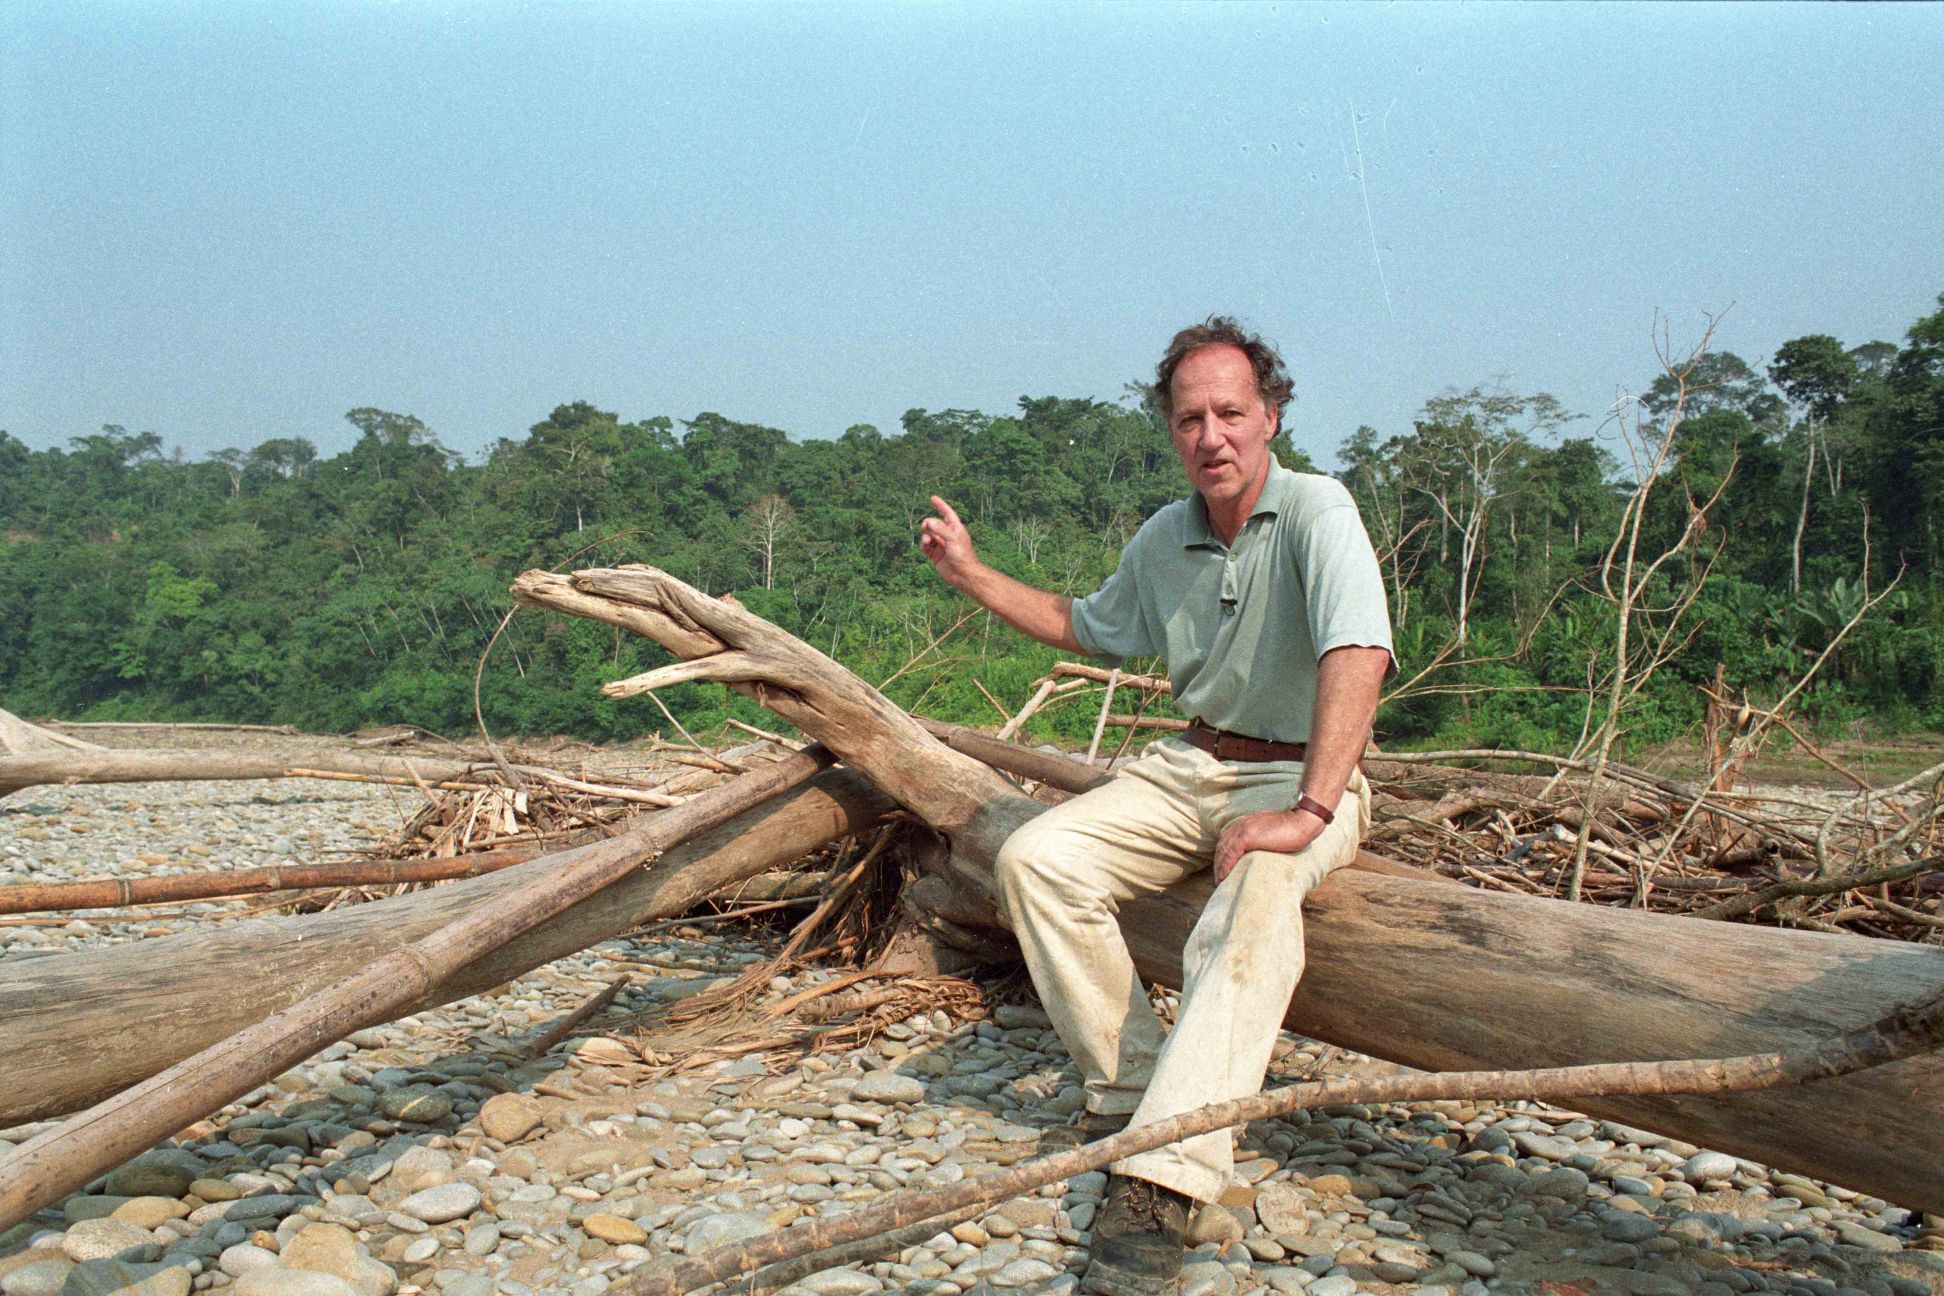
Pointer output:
225, 222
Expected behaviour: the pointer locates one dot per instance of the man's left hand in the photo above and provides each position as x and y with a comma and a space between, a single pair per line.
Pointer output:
1283, 831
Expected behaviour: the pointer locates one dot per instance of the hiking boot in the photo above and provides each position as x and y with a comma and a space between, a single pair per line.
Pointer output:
1139, 1238
1090, 1128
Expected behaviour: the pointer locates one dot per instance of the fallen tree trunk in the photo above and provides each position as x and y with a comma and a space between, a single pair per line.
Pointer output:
1421, 972
75, 1028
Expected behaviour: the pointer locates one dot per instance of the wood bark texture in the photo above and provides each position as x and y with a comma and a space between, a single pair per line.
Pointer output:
156, 764
1418, 971
177, 888
75, 1028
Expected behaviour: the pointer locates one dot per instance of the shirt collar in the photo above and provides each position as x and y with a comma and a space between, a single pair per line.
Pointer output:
1274, 498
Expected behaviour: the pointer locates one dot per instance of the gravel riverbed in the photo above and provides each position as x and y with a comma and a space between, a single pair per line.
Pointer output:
423, 1156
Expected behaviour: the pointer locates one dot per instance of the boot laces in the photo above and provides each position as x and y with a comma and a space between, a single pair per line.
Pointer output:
1146, 1203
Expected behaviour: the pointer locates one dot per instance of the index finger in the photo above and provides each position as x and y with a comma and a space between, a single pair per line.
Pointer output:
945, 510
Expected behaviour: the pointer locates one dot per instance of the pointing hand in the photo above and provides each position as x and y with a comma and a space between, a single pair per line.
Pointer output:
947, 543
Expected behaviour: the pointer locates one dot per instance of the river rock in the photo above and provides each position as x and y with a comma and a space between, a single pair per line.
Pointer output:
243, 1258
510, 1116
613, 1229
419, 1168
333, 1249
119, 1278
841, 1282
1708, 1167
37, 1278
420, 1103
150, 1212
103, 1239
442, 1204
164, 1172
278, 1281
1282, 1208
1858, 1235
888, 1087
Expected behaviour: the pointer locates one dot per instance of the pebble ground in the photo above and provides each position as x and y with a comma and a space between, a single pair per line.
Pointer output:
425, 1156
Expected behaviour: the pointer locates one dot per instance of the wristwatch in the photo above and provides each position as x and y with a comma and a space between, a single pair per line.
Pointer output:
1315, 807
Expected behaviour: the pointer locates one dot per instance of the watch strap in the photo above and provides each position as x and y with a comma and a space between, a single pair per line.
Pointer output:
1315, 807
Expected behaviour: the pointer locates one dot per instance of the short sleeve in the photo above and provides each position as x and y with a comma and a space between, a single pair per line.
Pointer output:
1111, 623
1343, 587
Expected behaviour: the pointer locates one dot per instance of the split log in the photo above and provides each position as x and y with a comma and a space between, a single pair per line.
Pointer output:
1421, 972
75, 1028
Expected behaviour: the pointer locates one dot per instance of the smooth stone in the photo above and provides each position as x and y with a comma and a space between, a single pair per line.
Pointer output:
1472, 1263
418, 1168
416, 1103
420, 1250
841, 1282
1286, 1280
441, 1204
1023, 1272
103, 1239
245, 1210
1857, 1235
291, 1282
1565, 1183
163, 1172
888, 1087
1708, 1167
215, 1190
1624, 1227
1337, 1286
483, 1240
1204, 1278
1282, 1208
150, 1212
39, 1278
613, 1229
1545, 1146
509, 1117
119, 1278
334, 1249
84, 1206
243, 1257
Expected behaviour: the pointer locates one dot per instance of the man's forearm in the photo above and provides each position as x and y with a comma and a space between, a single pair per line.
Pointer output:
1348, 682
1035, 613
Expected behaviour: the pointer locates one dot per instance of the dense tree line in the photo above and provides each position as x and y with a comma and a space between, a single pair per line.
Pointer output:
272, 584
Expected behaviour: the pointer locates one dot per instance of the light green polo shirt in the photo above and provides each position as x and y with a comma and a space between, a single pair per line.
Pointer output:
1242, 629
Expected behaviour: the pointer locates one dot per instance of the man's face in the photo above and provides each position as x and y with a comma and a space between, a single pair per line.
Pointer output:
1221, 429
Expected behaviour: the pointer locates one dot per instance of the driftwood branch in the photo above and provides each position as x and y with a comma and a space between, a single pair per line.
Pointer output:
1911, 1030
179, 888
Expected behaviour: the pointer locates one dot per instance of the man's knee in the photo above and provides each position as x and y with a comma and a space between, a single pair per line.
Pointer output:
1034, 861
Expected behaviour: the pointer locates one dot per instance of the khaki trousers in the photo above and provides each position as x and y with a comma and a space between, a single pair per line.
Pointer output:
1062, 878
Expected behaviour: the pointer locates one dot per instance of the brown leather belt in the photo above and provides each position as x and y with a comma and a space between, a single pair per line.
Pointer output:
1226, 746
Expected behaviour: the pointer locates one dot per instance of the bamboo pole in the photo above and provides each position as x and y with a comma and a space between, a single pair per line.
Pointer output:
1911, 1029
117, 893
63, 1159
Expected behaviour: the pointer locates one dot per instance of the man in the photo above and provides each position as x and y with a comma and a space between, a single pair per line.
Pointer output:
1263, 593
